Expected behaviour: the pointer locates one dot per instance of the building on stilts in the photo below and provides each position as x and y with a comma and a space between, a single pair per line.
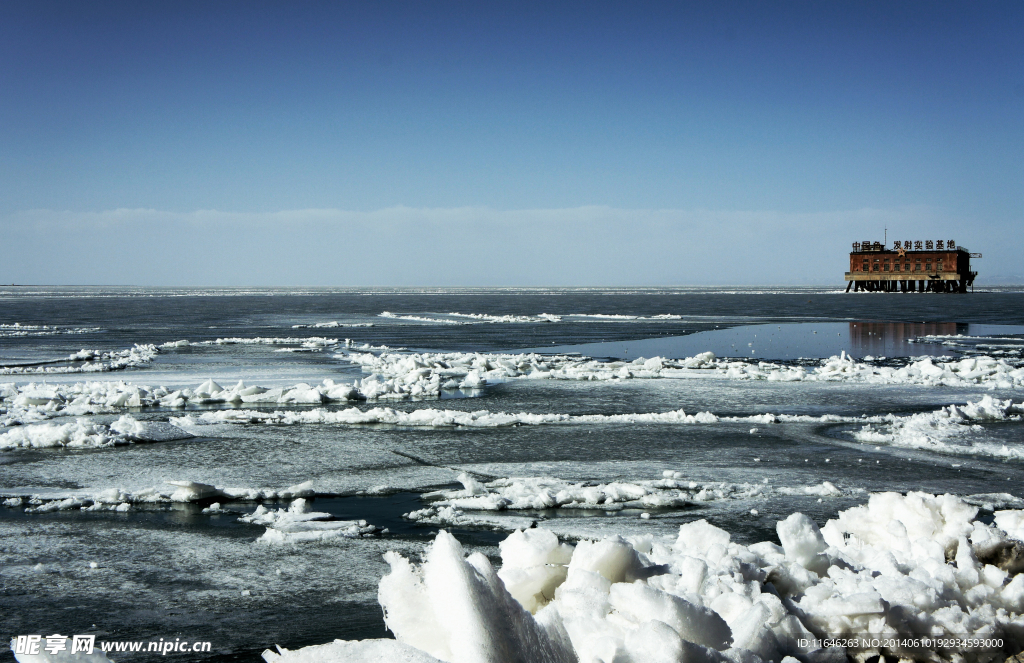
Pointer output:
929, 266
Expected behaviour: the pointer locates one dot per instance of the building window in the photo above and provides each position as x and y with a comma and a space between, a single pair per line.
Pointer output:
864, 267
876, 266
886, 267
906, 267
939, 267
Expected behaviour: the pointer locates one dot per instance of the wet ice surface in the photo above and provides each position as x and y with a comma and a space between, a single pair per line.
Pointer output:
166, 568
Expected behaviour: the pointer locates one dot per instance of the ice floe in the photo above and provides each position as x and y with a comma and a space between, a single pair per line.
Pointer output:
35, 402
116, 499
15, 330
397, 373
672, 490
897, 568
302, 344
430, 417
953, 429
294, 524
420, 318
84, 433
613, 317
484, 317
308, 341
332, 324
435, 418
297, 524
455, 318
430, 372
399, 376
91, 361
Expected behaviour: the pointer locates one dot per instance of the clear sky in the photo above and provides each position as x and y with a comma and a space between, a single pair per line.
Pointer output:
490, 143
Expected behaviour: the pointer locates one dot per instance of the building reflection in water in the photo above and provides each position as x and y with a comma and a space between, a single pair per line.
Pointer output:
893, 339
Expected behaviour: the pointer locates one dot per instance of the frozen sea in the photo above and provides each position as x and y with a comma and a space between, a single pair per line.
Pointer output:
104, 404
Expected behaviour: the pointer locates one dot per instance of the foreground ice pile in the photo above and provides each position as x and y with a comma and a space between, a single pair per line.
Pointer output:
899, 566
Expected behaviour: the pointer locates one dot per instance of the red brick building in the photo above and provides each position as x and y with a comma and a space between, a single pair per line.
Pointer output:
930, 266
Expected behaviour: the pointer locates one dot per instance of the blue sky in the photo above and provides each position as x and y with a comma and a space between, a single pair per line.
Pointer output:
433, 143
